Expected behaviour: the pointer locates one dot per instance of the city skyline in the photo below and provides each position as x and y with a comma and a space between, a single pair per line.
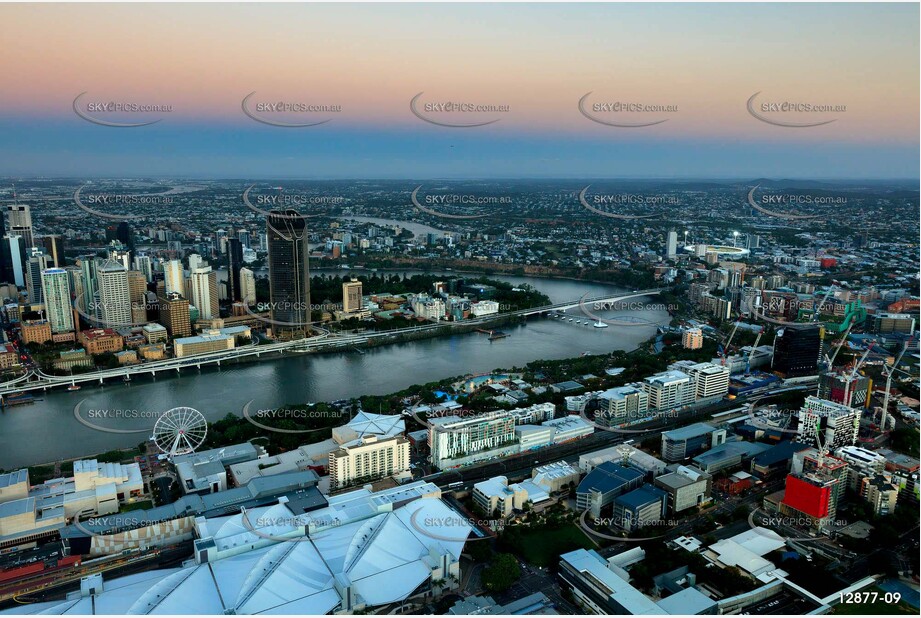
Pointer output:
459, 309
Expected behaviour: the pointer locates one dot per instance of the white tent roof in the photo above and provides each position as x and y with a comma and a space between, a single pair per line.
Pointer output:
385, 557
760, 540
369, 424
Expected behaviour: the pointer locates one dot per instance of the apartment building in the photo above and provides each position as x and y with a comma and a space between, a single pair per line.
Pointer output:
369, 459
835, 424
692, 339
880, 492
669, 389
621, 405
710, 380
455, 437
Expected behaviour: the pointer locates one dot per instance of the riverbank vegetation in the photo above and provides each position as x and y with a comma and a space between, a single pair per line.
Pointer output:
326, 289
295, 424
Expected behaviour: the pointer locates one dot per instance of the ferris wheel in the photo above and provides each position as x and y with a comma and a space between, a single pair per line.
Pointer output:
180, 431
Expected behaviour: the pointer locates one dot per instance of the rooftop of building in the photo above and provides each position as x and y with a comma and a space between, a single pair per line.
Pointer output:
746, 551
689, 601
225, 454
568, 386
620, 392
628, 597
17, 507
882, 482
571, 422
708, 368
536, 604
667, 377
900, 460
14, 478
203, 338
300, 458
496, 415
778, 453
859, 454
608, 476
95, 333
234, 330
496, 486
641, 496
555, 470
617, 453
691, 431
368, 424
682, 477
729, 449
381, 557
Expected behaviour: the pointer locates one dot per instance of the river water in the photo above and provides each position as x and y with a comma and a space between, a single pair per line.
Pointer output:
48, 430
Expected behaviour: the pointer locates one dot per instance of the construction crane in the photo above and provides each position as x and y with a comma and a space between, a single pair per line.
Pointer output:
729, 340
830, 362
748, 361
850, 378
818, 309
888, 374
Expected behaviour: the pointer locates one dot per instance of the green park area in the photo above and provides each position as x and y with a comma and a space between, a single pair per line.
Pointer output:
542, 546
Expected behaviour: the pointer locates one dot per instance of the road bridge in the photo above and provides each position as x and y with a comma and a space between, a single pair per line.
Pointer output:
37, 380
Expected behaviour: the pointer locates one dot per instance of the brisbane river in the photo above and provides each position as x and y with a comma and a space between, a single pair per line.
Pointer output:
47, 430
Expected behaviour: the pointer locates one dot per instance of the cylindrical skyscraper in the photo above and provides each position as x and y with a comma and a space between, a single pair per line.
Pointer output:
289, 274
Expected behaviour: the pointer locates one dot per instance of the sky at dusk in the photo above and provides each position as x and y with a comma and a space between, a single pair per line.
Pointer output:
698, 65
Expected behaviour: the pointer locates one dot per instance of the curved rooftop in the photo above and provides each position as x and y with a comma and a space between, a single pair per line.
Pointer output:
383, 558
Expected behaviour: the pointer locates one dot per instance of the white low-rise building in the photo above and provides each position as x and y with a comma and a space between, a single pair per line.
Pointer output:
533, 414
746, 552
94, 489
426, 307
555, 476
569, 428
305, 457
498, 498
484, 307
622, 453
533, 436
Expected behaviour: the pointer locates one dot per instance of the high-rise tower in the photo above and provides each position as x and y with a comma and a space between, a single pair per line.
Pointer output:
56, 292
114, 305
289, 274
234, 264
